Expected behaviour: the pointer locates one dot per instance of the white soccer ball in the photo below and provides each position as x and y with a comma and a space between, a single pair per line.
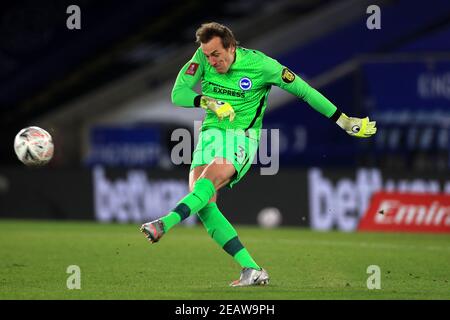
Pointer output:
34, 146
269, 217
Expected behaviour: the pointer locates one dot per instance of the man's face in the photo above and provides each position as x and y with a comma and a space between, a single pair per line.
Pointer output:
218, 57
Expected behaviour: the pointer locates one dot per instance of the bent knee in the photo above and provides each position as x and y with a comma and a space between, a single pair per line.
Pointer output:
218, 179
219, 174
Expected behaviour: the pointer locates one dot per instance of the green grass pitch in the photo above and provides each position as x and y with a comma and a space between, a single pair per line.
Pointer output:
116, 262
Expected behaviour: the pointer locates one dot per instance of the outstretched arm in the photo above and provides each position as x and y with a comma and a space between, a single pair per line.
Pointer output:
284, 78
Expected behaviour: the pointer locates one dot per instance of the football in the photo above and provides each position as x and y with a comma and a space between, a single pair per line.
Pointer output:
34, 146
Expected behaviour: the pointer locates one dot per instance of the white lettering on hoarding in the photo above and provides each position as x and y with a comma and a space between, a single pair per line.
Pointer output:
135, 198
342, 205
434, 85
396, 212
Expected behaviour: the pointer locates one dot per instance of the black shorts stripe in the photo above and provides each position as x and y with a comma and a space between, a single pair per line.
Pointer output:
233, 246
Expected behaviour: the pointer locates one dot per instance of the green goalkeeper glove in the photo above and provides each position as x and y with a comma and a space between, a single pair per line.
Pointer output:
220, 108
361, 128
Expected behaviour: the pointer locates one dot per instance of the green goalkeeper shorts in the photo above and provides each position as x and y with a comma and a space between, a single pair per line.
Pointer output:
233, 145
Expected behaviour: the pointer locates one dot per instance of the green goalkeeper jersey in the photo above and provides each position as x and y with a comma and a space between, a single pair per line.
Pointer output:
245, 87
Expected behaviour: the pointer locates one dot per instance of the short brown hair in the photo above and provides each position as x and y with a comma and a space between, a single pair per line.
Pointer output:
213, 29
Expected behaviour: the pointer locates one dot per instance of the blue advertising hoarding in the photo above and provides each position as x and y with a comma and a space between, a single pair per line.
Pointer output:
411, 102
133, 146
413, 86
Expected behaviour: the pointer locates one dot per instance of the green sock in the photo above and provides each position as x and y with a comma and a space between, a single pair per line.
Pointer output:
203, 191
225, 235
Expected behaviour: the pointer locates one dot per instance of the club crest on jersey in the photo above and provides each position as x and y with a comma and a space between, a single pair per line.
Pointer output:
192, 69
245, 83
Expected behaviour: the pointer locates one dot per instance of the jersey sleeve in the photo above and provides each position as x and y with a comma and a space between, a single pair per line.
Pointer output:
280, 76
183, 94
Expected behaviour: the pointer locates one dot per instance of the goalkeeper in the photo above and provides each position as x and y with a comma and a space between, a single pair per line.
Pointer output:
235, 84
